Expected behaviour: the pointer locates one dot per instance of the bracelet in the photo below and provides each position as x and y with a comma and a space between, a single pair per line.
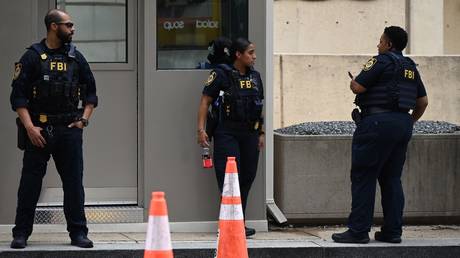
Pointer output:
200, 130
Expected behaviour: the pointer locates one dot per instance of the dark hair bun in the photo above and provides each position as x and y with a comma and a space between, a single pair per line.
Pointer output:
219, 51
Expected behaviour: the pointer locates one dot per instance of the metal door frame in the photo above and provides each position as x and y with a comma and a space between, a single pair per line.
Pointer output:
132, 64
258, 17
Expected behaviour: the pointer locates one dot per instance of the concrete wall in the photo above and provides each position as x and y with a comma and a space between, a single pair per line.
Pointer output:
426, 32
312, 177
451, 27
316, 87
354, 27
333, 26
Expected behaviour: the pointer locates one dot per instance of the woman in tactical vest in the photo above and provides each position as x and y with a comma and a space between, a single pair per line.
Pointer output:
236, 94
388, 87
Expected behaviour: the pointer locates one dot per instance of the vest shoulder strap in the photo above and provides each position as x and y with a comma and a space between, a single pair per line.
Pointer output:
40, 50
231, 73
224, 67
232, 77
394, 58
71, 50
408, 59
396, 61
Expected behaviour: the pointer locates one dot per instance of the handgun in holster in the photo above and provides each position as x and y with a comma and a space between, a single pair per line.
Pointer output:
356, 116
214, 115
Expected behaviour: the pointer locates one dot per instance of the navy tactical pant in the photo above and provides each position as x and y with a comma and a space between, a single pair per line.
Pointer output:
65, 145
378, 154
242, 144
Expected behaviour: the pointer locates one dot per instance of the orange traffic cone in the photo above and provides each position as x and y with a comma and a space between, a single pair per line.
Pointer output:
232, 237
158, 242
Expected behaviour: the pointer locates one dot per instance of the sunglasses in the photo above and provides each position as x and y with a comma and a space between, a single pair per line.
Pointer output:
67, 24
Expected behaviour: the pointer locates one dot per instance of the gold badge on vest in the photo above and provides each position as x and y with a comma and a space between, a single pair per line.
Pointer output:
369, 64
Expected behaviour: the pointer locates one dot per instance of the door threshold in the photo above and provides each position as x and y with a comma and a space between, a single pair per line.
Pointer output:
94, 215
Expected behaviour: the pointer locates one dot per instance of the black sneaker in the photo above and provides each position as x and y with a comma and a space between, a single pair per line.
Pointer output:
19, 242
381, 237
81, 241
249, 231
350, 238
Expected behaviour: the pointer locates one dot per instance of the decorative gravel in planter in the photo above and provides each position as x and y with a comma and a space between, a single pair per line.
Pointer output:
348, 127
312, 172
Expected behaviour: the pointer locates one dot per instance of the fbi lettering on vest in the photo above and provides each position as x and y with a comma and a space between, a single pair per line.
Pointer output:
245, 84
58, 66
409, 74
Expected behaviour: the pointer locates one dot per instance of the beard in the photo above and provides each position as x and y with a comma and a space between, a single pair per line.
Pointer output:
64, 37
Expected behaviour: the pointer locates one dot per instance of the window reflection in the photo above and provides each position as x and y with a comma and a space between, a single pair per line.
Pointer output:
100, 28
185, 27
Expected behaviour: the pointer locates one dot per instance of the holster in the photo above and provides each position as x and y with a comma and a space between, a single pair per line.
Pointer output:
211, 124
22, 134
356, 116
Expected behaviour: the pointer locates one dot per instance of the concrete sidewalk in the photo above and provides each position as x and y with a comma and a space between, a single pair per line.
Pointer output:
418, 241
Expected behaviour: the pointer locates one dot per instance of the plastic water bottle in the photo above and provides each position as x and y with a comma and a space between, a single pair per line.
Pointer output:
206, 157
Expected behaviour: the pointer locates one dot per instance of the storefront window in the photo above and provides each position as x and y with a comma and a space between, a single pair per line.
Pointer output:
185, 27
100, 32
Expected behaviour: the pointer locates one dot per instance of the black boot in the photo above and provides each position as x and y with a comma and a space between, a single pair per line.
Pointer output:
350, 237
382, 237
81, 241
19, 242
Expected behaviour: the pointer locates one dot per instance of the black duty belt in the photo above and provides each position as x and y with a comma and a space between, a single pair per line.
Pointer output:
239, 125
55, 119
377, 110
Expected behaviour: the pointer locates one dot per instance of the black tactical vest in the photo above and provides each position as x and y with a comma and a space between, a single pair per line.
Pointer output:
398, 93
242, 102
57, 90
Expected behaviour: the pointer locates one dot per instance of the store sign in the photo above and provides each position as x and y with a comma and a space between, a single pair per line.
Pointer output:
208, 24
173, 25
187, 31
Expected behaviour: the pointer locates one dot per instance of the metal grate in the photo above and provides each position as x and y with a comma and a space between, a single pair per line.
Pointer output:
94, 215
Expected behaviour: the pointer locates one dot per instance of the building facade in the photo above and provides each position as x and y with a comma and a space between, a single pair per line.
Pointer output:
142, 137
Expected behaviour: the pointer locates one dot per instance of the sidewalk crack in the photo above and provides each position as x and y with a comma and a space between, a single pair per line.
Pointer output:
130, 238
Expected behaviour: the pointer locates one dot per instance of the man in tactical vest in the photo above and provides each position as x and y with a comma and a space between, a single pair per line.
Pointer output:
388, 87
54, 94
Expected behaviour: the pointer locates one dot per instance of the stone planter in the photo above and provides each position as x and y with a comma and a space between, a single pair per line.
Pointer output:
312, 177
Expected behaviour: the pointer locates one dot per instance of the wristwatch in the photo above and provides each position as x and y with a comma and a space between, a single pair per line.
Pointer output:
84, 121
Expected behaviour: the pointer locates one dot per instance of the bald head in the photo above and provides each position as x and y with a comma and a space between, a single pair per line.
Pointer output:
54, 15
